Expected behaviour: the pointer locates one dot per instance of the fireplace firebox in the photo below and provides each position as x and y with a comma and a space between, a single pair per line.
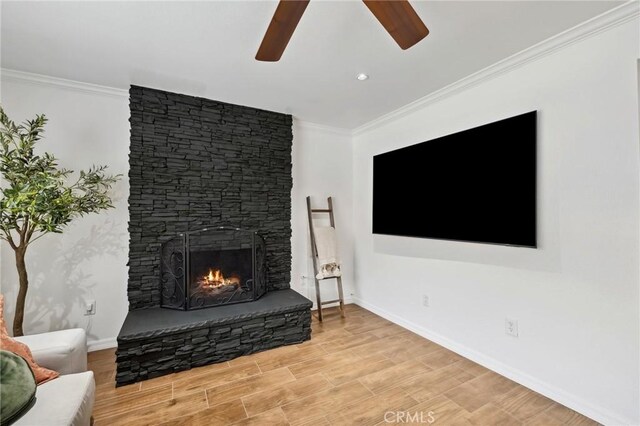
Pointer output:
212, 267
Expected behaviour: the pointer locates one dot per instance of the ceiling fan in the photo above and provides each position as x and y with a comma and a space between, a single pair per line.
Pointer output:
396, 16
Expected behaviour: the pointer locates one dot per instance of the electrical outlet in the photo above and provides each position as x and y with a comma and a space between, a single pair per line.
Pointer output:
511, 327
425, 300
90, 307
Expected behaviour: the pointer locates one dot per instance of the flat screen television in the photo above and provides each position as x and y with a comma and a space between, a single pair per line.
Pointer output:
478, 185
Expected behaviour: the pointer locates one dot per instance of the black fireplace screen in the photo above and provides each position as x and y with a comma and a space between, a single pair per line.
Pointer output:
212, 267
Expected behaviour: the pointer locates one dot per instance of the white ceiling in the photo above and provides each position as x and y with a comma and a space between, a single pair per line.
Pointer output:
207, 49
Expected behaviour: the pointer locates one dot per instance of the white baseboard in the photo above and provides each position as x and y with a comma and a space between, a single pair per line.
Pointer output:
98, 345
348, 300
586, 408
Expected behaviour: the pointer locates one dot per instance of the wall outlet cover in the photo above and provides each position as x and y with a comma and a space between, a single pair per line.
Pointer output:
511, 327
90, 307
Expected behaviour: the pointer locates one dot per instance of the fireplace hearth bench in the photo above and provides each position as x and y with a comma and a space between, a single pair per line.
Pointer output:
154, 342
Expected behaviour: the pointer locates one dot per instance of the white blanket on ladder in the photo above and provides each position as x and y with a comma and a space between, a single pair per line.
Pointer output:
328, 260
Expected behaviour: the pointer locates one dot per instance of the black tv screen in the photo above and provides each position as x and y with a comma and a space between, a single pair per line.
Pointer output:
478, 185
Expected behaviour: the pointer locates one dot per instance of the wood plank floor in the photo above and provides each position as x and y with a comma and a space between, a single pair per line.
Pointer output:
362, 370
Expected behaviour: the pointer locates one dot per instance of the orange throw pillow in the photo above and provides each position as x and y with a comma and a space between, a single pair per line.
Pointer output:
9, 344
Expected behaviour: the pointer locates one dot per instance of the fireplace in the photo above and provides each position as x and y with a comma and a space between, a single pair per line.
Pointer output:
195, 161
212, 267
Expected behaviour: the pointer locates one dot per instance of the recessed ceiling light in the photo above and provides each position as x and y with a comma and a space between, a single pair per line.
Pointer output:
362, 76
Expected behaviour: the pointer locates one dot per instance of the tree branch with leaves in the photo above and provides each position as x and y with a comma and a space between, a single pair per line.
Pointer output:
36, 196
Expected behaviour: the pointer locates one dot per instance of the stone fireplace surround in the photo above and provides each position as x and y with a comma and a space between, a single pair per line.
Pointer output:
154, 342
195, 163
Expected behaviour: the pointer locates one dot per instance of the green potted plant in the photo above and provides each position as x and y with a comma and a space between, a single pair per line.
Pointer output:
37, 196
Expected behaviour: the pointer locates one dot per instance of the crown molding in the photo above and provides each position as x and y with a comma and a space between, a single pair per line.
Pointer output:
45, 80
308, 125
603, 22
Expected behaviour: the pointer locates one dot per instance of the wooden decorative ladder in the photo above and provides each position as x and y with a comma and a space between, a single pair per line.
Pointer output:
314, 250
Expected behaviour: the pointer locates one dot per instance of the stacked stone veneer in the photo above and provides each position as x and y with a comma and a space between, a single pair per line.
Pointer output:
150, 354
196, 162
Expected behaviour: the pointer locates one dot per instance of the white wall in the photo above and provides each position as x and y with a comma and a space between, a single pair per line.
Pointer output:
88, 261
322, 167
576, 296
89, 125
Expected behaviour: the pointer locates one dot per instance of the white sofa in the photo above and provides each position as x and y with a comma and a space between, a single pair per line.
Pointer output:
67, 400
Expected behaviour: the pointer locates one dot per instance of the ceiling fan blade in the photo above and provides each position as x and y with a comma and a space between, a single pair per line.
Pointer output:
283, 24
400, 20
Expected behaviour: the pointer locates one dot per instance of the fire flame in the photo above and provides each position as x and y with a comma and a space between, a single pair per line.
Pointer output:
215, 279
217, 276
